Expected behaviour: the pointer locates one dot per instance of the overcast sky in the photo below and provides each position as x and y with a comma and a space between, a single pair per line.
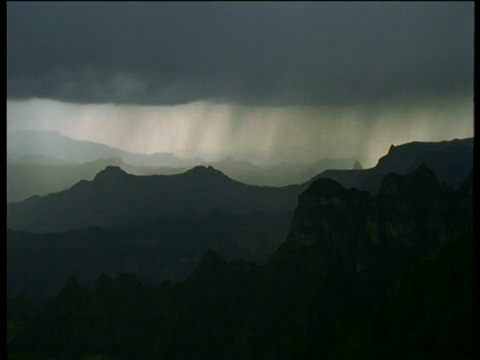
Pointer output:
251, 73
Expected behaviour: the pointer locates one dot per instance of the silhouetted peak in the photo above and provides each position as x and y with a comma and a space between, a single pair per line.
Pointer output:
210, 262
422, 170
326, 186
205, 171
392, 184
127, 282
103, 284
423, 177
72, 283
420, 181
326, 193
72, 288
202, 168
467, 184
110, 172
357, 166
212, 258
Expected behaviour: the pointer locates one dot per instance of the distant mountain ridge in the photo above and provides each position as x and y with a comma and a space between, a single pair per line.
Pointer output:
32, 154
281, 174
117, 199
26, 177
41, 175
451, 161
57, 146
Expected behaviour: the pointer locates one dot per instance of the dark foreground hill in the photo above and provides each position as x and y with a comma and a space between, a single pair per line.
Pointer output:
450, 160
116, 199
165, 248
321, 295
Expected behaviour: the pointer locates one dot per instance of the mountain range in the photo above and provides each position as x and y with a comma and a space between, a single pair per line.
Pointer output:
387, 275
52, 144
39, 175
121, 220
164, 248
450, 160
117, 199
42, 162
32, 176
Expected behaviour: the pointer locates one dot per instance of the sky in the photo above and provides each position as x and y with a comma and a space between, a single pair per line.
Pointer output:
294, 81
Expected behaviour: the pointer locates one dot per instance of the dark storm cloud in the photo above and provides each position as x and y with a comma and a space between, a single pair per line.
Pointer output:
254, 53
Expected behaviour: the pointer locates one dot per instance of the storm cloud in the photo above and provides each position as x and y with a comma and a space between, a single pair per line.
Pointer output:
262, 54
291, 81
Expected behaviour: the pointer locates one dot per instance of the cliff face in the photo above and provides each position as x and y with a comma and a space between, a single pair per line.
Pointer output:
428, 312
344, 251
406, 218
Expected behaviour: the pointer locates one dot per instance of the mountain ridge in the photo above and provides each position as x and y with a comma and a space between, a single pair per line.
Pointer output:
56, 145
117, 199
450, 160
370, 267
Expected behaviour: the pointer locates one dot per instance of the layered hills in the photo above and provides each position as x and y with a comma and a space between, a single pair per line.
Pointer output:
159, 226
28, 177
164, 248
53, 145
131, 200
34, 175
359, 276
42, 162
